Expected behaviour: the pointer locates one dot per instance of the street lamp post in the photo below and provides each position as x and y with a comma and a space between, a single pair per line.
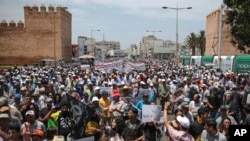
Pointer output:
92, 45
177, 36
153, 31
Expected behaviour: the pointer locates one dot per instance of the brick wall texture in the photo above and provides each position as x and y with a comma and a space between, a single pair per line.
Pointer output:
45, 34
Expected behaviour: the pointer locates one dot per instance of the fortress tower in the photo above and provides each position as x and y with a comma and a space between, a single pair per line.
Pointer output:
45, 34
212, 35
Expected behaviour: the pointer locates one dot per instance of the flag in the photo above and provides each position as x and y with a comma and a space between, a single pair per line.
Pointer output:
81, 114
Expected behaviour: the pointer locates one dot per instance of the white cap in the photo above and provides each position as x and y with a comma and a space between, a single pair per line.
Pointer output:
184, 121
95, 98
30, 112
62, 87
97, 88
142, 82
23, 88
4, 115
163, 80
204, 85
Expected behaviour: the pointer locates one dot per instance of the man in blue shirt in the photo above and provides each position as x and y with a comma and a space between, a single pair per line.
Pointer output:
143, 101
153, 93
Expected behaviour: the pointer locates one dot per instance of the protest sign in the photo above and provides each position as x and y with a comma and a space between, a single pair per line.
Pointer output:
150, 112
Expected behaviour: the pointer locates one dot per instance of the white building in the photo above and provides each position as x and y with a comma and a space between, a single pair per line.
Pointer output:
157, 48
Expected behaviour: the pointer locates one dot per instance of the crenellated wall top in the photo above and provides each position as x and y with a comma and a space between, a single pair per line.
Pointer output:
12, 24
42, 8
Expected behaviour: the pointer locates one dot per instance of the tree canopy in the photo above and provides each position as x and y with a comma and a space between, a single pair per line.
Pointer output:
198, 41
238, 17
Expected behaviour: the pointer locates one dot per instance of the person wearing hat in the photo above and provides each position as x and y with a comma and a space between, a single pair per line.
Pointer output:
186, 112
37, 135
204, 93
73, 92
45, 113
85, 99
17, 101
183, 126
105, 103
143, 85
125, 91
116, 107
10, 109
96, 105
97, 93
62, 92
89, 90
40, 88
115, 80
4, 124
233, 106
224, 113
114, 88
152, 94
36, 100
28, 127
164, 92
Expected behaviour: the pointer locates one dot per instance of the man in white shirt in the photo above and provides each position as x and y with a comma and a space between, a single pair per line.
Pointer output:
195, 104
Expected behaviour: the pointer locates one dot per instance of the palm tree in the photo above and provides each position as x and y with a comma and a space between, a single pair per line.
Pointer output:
201, 42
191, 42
196, 41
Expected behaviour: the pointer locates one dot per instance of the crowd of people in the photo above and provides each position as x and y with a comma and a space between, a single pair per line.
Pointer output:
34, 106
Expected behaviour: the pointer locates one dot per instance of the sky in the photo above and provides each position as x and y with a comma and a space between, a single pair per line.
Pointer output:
125, 21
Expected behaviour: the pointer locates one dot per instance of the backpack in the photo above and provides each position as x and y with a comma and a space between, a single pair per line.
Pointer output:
192, 91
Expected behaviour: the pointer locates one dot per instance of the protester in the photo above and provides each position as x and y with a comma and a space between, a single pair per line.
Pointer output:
144, 101
214, 102
224, 127
64, 120
223, 114
164, 92
195, 104
134, 124
151, 131
186, 112
37, 135
117, 125
31, 125
126, 87
197, 126
93, 126
211, 132
14, 132
183, 126
117, 106
105, 103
